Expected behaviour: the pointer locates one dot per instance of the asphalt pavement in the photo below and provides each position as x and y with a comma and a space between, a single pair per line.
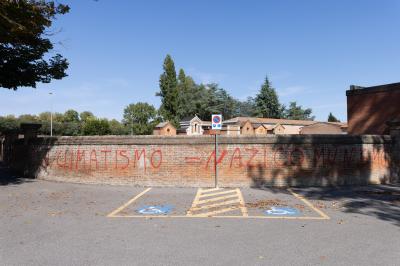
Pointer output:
50, 223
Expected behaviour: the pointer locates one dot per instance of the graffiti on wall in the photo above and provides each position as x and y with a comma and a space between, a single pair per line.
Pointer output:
103, 159
100, 158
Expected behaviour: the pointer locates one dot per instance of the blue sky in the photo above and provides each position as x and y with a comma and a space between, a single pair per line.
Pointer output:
311, 50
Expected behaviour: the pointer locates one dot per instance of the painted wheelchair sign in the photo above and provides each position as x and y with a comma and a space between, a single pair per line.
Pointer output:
155, 209
282, 211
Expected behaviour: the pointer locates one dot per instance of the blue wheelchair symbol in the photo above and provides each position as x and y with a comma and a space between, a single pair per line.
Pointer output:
282, 211
155, 209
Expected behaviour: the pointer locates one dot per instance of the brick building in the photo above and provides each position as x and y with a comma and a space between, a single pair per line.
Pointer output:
259, 126
193, 126
324, 128
165, 129
256, 126
370, 108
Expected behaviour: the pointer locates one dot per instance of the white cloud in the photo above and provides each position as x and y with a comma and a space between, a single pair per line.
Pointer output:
279, 76
293, 90
329, 105
205, 77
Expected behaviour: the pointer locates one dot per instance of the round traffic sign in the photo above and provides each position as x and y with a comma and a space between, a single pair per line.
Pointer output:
216, 119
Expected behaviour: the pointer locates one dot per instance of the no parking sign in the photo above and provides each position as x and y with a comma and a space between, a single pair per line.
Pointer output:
216, 122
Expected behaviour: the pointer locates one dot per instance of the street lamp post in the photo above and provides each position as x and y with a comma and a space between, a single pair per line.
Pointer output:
51, 116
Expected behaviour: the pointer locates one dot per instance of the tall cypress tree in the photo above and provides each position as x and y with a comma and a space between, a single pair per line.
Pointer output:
332, 118
267, 102
169, 91
183, 94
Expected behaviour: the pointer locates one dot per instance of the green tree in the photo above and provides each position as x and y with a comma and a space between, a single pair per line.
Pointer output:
85, 115
24, 48
169, 91
267, 102
96, 126
216, 100
185, 94
27, 118
8, 123
140, 118
246, 107
296, 112
69, 129
71, 125
71, 116
44, 116
332, 118
195, 100
58, 117
117, 128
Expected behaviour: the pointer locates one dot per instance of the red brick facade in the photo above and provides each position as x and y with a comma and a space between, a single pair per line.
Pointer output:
189, 161
369, 109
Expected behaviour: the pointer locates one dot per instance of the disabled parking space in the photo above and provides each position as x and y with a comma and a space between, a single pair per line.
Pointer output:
163, 202
280, 203
218, 203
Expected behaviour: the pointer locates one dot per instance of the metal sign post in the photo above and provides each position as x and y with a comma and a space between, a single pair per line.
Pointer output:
215, 160
216, 125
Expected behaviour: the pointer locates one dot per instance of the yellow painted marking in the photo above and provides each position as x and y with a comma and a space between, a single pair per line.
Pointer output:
214, 205
195, 200
243, 207
211, 189
113, 213
224, 216
225, 200
206, 214
215, 199
309, 204
217, 193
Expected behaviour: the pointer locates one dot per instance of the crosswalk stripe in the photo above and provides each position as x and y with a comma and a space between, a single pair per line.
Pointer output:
210, 189
215, 199
218, 193
210, 202
216, 212
215, 205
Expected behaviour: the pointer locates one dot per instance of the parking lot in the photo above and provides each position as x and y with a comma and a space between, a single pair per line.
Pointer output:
49, 223
218, 203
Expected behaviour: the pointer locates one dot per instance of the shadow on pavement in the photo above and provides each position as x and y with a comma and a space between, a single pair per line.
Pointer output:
380, 201
7, 177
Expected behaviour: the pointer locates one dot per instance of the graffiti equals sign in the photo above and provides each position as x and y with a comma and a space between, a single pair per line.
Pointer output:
192, 159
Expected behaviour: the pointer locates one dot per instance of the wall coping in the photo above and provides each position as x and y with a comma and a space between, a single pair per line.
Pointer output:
207, 139
373, 89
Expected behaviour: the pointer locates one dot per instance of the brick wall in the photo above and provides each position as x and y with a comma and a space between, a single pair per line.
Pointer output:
189, 161
368, 109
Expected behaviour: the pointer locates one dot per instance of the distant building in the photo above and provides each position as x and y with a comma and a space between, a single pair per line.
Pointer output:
250, 126
370, 108
246, 128
260, 130
323, 128
193, 126
165, 129
272, 125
